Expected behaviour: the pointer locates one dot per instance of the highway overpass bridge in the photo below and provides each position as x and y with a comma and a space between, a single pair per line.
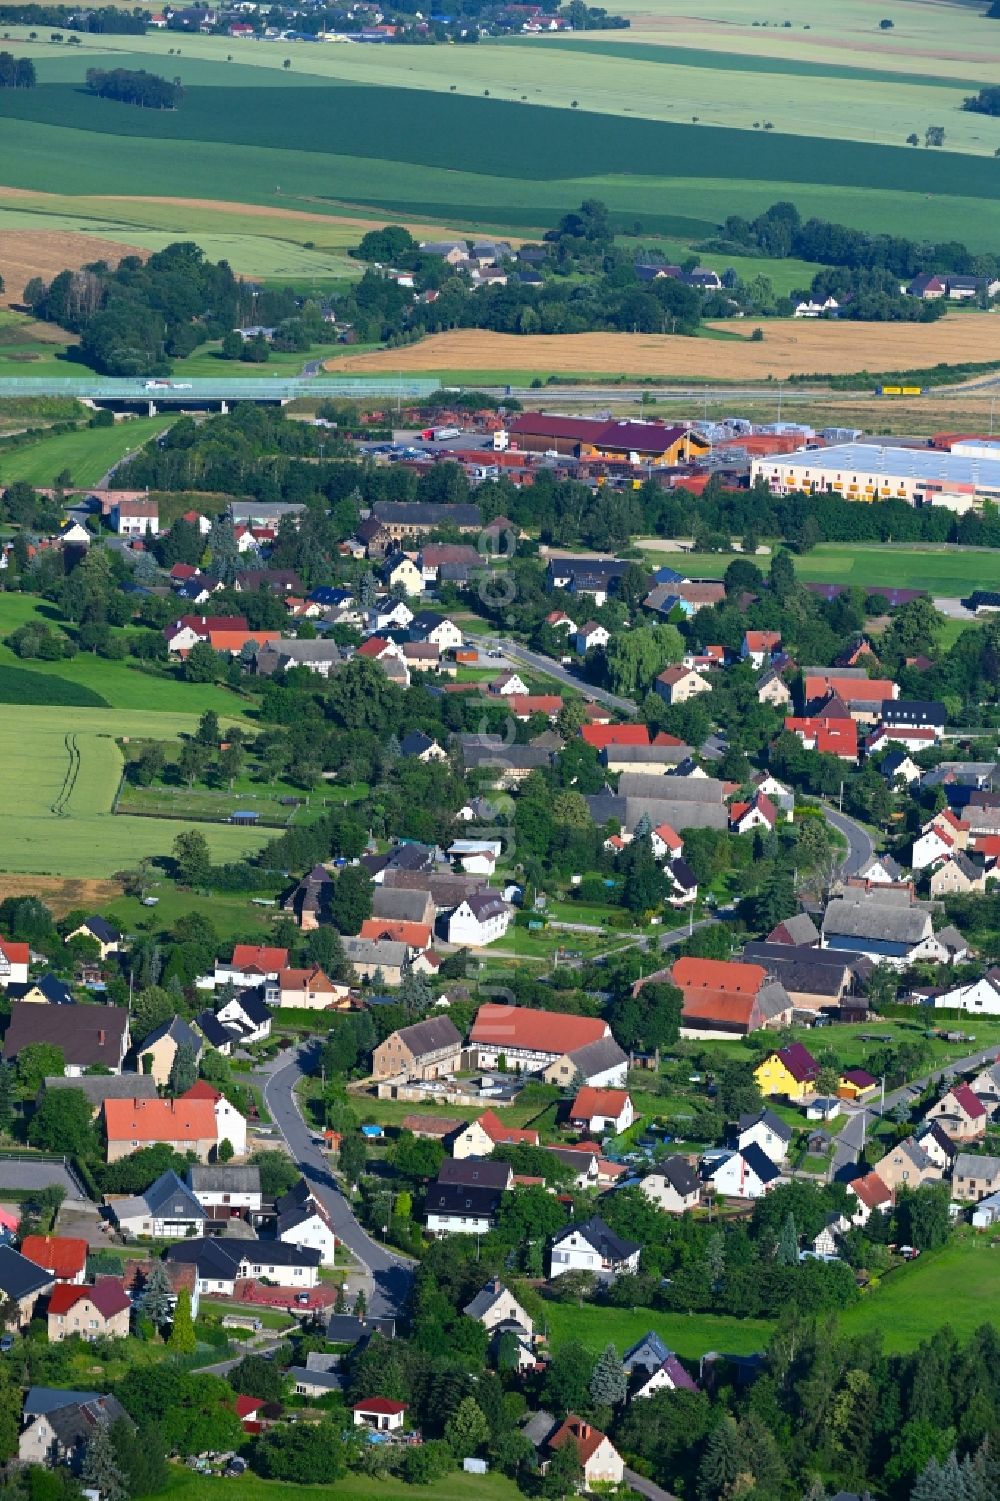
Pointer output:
215, 393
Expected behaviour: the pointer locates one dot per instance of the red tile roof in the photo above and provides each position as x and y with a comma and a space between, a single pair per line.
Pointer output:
108, 1297
416, 934
872, 690
259, 956
601, 735
590, 1102
202, 1090
584, 1436
247, 1406
159, 1120
502, 1135
968, 1102
63, 1255
541, 1031
719, 974
380, 1405
15, 953
871, 1190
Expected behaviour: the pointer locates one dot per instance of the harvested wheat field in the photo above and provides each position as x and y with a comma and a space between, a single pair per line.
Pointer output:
61, 894
789, 347
25, 253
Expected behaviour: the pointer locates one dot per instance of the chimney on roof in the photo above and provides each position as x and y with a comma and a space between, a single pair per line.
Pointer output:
101, 1037
583, 1430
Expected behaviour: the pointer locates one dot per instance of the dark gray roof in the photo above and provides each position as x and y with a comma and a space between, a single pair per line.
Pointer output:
253, 1005
877, 921
223, 1178
345, 1329
760, 1163
415, 743
646, 755
665, 808
801, 929
484, 1299
20, 1277
491, 750
55, 991
177, 1028
332, 1380
101, 1087
87, 1034
74, 1425
169, 1195
428, 1036
539, 1427
597, 1056
485, 904
648, 1353
44, 1399
396, 905
773, 1122
422, 513
601, 1236
606, 807
221, 1258
217, 1033
462, 1199
474, 1170
679, 1174
673, 789
102, 930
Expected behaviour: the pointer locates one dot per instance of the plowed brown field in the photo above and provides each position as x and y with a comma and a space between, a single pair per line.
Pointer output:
789, 347
61, 895
25, 253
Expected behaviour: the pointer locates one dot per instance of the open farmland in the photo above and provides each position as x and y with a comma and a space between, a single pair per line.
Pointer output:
46, 252
61, 772
789, 347
374, 131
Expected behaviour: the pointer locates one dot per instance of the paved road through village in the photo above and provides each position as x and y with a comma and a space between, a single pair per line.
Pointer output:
391, 1274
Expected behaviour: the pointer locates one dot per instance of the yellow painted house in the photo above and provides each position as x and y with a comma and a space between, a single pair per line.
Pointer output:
791, 1072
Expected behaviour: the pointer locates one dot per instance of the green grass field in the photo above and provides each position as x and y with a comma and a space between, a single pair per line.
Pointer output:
561, 122
691, 1336
949, 571
187, 1486
87, 455
958, 1286
61, 772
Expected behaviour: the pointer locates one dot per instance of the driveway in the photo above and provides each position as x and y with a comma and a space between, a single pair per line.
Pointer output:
391, 1274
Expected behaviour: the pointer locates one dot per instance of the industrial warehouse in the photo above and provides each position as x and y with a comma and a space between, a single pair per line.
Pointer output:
869, 471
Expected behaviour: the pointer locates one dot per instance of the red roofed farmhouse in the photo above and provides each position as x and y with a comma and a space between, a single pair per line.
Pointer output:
529, 1039
726, 999
599, 1110
186, 1125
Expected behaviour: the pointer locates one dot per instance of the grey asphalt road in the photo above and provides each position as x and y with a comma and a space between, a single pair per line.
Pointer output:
391, 1274
860, 846
860, 1126
533, 659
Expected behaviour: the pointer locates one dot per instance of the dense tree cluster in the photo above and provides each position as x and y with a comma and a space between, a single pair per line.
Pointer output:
16, 72
106, 18
133, 320
780, 232
134, 86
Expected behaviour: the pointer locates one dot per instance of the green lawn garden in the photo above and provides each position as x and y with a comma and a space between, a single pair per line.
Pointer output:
86, 455
185, 1485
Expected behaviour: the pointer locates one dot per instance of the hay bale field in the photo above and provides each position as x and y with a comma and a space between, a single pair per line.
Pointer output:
789, 347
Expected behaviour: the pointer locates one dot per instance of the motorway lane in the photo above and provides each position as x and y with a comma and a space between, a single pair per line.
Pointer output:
391, 1273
